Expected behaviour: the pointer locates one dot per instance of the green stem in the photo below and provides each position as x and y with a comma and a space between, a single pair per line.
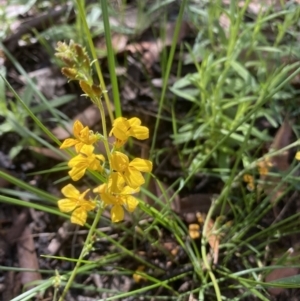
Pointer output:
82, 254
102, 113
111, 59
82, 14
204, 256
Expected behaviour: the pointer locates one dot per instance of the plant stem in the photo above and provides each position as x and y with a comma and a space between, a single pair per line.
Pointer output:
203, 252
111, 59
102, 113
82, 14
82, 254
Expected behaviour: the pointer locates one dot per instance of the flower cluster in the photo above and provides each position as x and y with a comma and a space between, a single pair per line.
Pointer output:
122, 177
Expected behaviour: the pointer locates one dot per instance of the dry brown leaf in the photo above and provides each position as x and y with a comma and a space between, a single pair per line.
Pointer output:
12, 286
281, 140
281, 273
213, 240
17, 228
278, 274
127, 18
192, 298
63, 235
280, 162
131, 18
224, 22
188, 206
48, 80
89, 117
172, 247
50, 153
27, 257
119, 42
156, 190
38, 23
256, 6
151, 49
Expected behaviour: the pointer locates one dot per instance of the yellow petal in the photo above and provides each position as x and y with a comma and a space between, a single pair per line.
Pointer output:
93, 138
134, 121
87, 150
78, 160
120, 128
67, 205
117, 213
120, 133
95, 165
78, 147
119, 143
100, 189
88, 205
116, 121
115, 183
130, 202
141, 164
108, 199
297, 157
119, 161
70, 191
119, 120
84, 134
100, 158
129, 190
68, 143
77, 127
139, 132
137, 277
133, 178
76, 173
79, 216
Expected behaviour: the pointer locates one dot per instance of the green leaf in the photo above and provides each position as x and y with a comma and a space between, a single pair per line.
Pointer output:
292, 280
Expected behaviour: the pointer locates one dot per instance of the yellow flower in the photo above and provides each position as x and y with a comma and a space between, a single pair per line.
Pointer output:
297, 157
194, 231
85, 159
264, 166
83, 136
137, 277
124, 128
75, 201
131, 171
119, 198
250, 181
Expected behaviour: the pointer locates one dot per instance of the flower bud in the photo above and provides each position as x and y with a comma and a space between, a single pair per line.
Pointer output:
70, 73
86, 88
97, 90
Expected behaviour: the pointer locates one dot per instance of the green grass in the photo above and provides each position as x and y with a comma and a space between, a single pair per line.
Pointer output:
240, 75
